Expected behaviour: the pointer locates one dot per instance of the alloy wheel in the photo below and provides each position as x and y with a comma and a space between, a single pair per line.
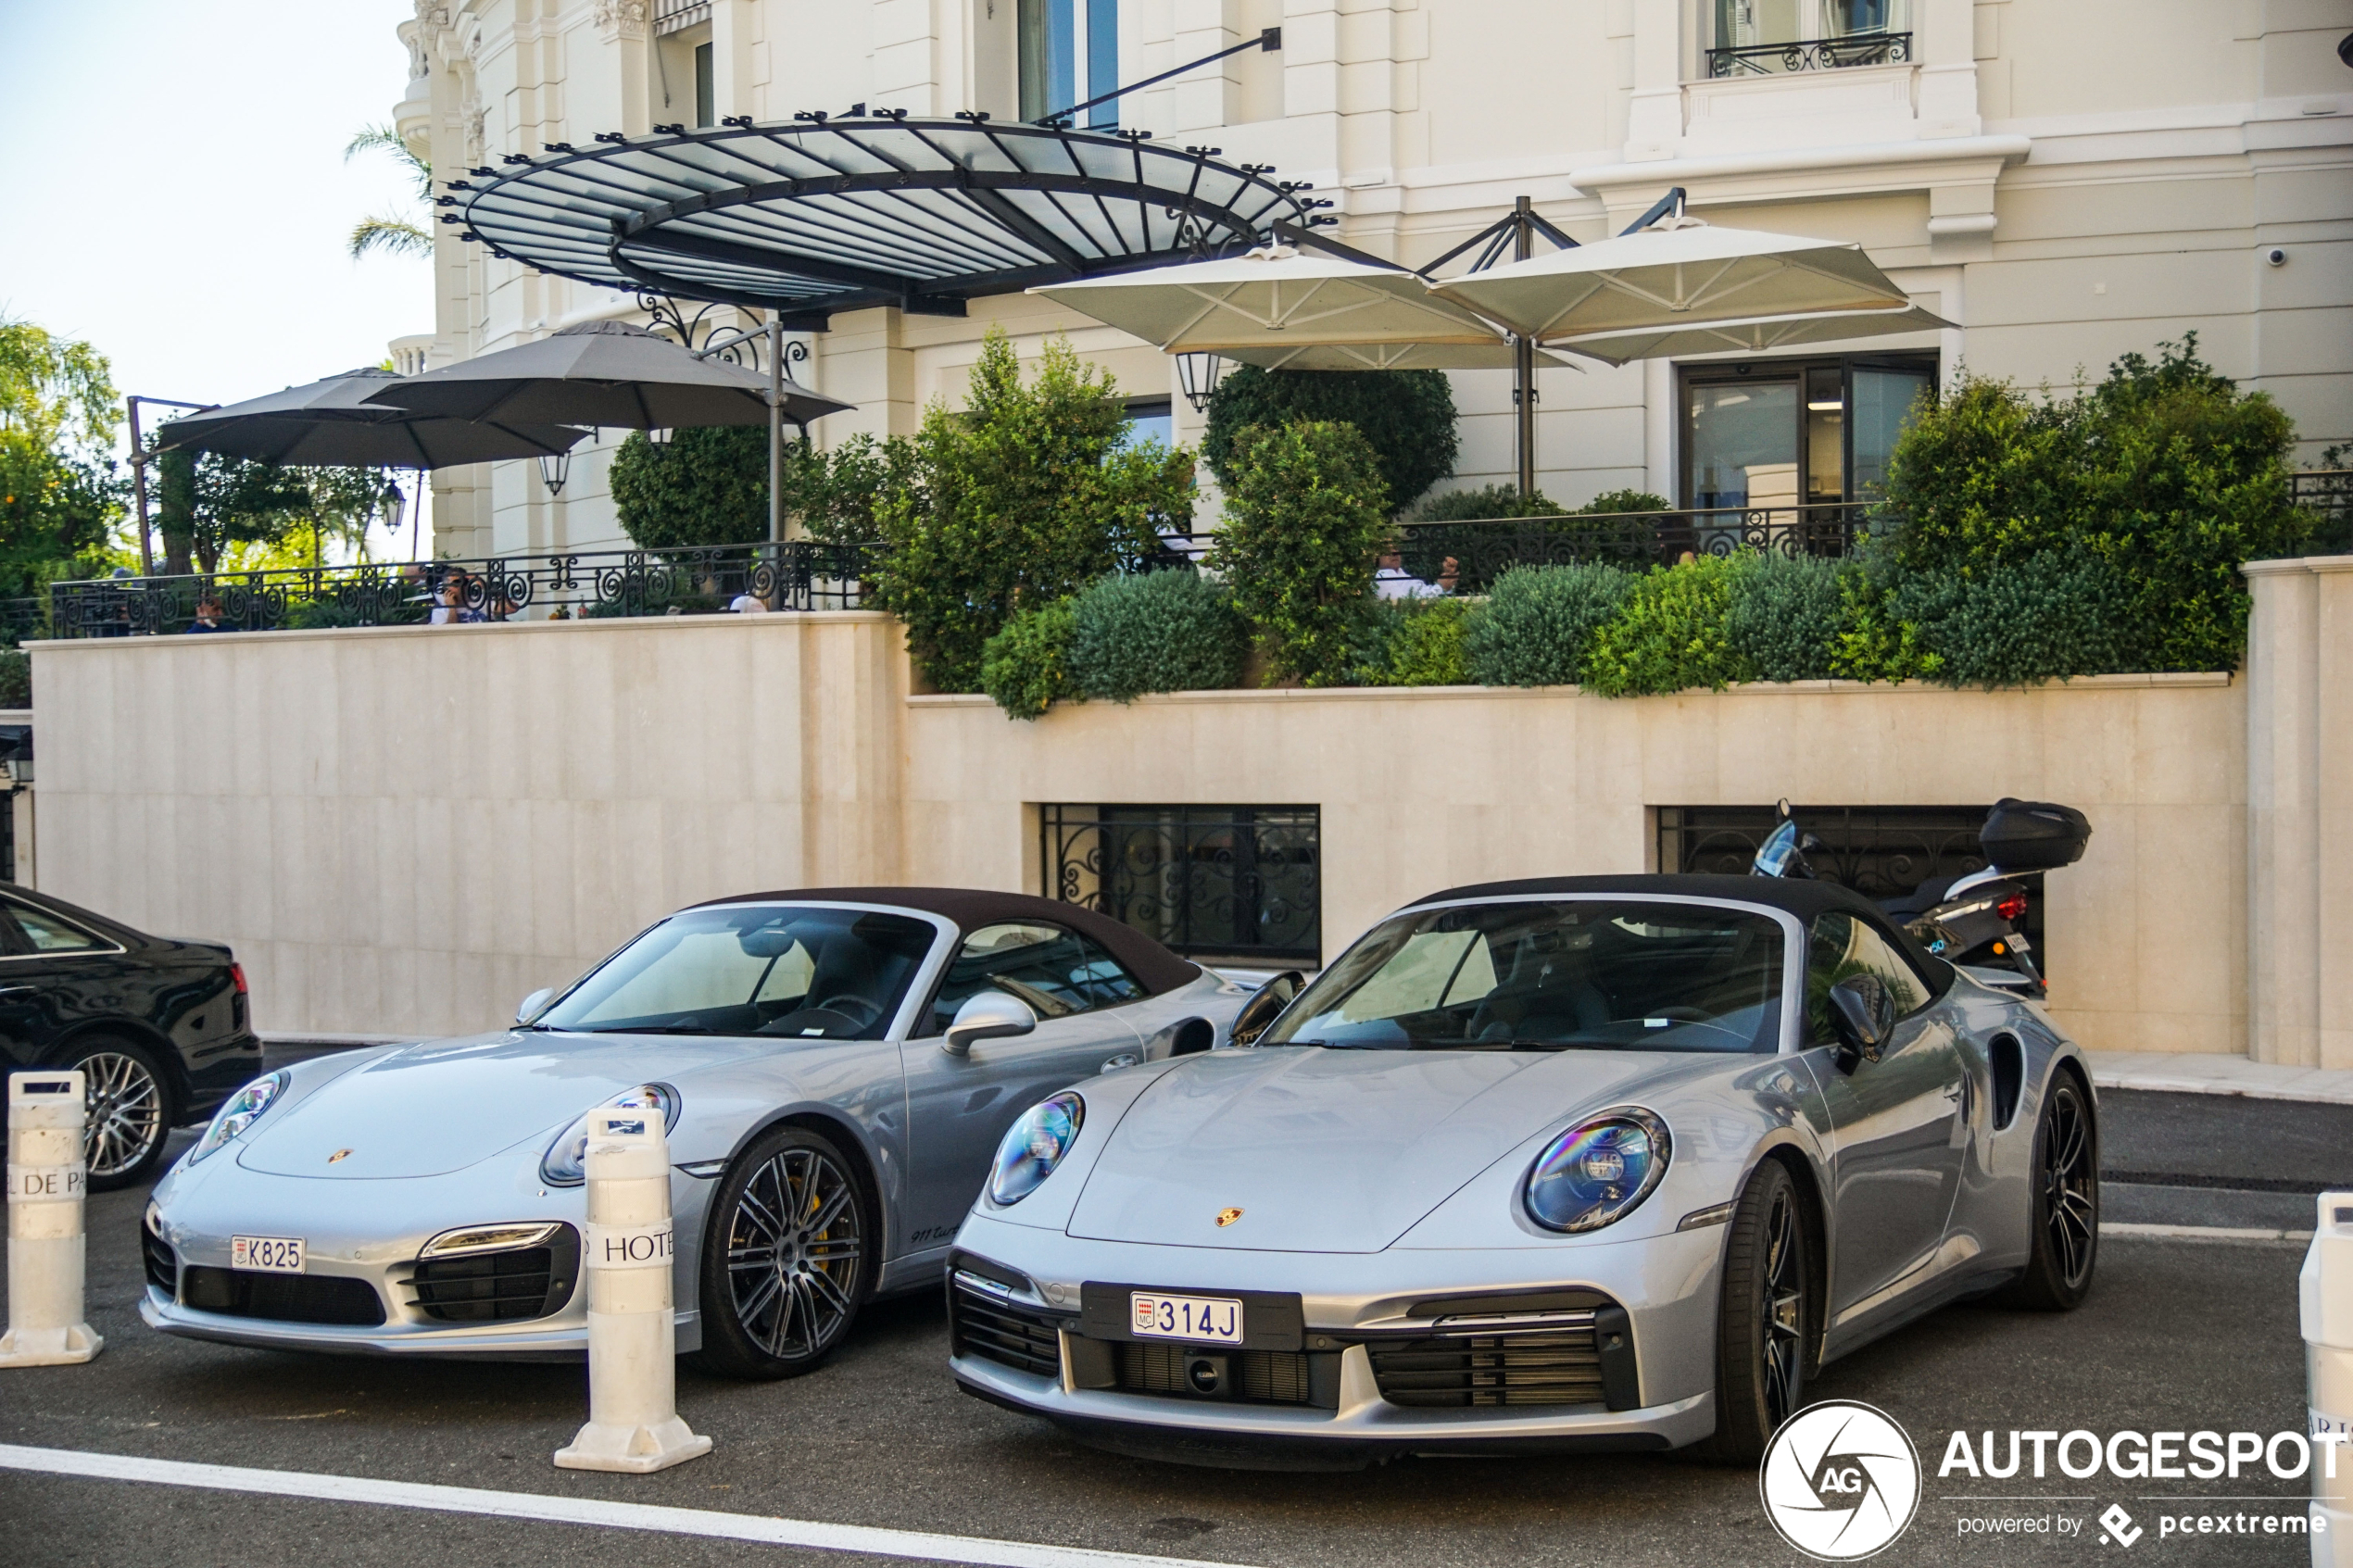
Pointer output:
2070, 1192
793, 1254
1783, 1304
122, 1111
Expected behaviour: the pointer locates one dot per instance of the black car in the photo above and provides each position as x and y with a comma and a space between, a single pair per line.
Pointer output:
159, 1025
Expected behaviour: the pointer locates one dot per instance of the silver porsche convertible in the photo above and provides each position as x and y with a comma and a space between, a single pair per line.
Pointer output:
1586, 1163
836, 1067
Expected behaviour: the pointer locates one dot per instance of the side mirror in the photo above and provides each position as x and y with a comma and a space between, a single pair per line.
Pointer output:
1862, 1012
530, 1005
1266, 1007
986, 1015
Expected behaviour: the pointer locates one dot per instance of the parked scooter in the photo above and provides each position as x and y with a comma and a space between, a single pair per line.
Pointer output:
1974, 919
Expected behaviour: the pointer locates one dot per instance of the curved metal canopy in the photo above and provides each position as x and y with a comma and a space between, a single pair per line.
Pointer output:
822, 215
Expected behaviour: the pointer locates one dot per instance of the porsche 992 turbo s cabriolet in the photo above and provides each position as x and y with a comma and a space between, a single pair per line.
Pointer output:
836, 1067
1584, 1163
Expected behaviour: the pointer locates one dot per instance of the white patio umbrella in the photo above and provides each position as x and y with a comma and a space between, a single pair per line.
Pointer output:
1679, 270
1752, 336
1286, 308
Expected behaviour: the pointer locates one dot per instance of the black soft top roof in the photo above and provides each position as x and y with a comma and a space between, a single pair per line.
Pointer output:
971, 909
1798, 897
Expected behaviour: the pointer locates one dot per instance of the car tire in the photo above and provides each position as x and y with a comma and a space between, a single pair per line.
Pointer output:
131, 1110
2064, 1210
1765, 1318
788, 1258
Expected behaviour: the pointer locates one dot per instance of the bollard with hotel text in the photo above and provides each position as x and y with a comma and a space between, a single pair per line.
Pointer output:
46, 1183
2325, 1290
626, 1254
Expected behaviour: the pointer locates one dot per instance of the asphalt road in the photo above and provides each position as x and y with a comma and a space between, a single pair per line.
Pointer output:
2176, 1337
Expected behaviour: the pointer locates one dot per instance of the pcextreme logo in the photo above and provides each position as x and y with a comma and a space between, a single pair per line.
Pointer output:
1840, 1481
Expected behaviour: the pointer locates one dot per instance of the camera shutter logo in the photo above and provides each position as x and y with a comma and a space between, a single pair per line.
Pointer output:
1840, 1481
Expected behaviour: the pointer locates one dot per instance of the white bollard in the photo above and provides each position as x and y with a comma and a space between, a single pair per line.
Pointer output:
46, 1182
2325, 1290
633, 1336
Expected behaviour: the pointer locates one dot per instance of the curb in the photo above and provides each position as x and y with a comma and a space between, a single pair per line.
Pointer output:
2210, 1235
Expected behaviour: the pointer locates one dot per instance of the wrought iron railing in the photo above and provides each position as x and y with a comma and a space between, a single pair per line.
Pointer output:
1467, 557
1239, 883
1811, 54
2328, 494
801, 575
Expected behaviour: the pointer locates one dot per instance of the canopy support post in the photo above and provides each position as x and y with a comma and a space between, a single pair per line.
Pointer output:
1524, 357
777, 434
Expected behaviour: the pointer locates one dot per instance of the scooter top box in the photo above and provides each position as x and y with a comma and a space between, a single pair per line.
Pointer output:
2034, 835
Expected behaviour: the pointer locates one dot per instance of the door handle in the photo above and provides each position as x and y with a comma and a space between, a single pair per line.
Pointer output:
1111, 1064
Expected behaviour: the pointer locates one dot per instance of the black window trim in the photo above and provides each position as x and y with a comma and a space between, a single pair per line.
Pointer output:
101, 944
920, 1027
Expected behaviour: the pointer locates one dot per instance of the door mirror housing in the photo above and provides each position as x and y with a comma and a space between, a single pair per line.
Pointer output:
1259, 1013
1863, 1012
986, 1015
530, 1005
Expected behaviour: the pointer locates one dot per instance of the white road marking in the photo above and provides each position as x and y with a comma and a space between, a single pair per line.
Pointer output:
579, 1511
2201, 1233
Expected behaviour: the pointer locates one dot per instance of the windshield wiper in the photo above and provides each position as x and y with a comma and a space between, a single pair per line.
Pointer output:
654, 1029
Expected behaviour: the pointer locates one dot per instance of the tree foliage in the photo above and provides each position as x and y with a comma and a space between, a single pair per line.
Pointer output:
58, 492
1021, 499
1406, 416
210, 507
391, 232
1306, 519
1670, 632
1025, 666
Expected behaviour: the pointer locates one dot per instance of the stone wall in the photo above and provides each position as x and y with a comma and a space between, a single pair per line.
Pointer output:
407, 829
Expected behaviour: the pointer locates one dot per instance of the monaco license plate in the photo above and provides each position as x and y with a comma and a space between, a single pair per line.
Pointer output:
1214, 1319
266, 1254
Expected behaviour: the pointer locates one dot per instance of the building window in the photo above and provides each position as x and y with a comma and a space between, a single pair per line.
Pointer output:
1239, 884
1880, 851
1150, 422
1069, 54
706, 87
1771, 37
1778, 435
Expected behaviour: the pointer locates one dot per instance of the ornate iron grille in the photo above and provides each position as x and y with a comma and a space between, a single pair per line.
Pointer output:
1880, 851
1480, 550
2328, 494
801, 575
1813, 54
1239, 883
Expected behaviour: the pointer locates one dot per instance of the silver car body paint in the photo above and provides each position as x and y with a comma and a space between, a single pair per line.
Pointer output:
1371, 1180
447, 1133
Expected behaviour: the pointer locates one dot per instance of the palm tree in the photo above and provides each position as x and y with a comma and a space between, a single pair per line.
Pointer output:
398, 236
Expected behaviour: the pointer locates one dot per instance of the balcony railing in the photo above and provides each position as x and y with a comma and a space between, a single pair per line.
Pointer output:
798, 575
1812, 54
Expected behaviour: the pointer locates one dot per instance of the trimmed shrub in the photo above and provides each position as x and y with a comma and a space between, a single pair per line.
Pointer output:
1307, 517
708, 486
1785, 618
16, 677
1412, 643
1539, 622
1487, 501
1669, 633
1407, 416
1024, 666
1624, 501
1168, 631
2045, 617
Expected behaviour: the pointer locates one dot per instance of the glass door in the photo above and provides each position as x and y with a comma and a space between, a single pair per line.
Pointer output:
1882, 398
1740, 449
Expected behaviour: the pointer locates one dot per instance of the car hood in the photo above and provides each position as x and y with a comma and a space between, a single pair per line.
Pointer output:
1331, 1150
426, 1109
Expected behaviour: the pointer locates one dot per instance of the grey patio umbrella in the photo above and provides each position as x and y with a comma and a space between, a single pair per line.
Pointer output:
604, 373
329, 424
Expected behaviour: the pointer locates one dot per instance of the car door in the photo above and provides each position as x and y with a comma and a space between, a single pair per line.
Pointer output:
959, 1106
1896, 1122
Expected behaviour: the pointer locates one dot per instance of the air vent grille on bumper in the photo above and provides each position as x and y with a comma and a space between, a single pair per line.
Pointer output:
530, 1282
284, 1298
1002, 1332
1276, 1377
1557, 1367
162, 1262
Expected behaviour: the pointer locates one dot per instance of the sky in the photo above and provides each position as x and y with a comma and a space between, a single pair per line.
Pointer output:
174, 190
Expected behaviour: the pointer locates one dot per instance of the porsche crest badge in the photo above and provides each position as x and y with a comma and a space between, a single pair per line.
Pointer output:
338, 1154
1227, 1217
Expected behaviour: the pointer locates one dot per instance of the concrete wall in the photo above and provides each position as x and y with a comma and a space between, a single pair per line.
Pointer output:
408, 828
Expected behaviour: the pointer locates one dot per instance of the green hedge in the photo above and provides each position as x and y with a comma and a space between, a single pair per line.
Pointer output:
1407, 418
1412, 643
1785, 617
1306, 519
1024, 666
1172, 631
1539, 622
1670, 632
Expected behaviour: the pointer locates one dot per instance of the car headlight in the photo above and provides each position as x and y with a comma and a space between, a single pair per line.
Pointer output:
566, 1162
1597, 1171
240, 1111
1034, 1146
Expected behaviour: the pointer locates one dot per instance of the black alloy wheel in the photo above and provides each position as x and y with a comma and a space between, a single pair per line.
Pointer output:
2065, 1204
127, 1113
1764, 1318
785, 1270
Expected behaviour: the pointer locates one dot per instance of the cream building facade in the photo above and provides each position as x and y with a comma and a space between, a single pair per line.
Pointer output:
2066, 180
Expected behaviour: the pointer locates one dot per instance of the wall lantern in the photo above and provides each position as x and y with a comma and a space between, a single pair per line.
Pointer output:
1198, 374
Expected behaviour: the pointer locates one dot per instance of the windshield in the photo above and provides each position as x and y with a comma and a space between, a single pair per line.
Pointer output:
1599, 974
753, 969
